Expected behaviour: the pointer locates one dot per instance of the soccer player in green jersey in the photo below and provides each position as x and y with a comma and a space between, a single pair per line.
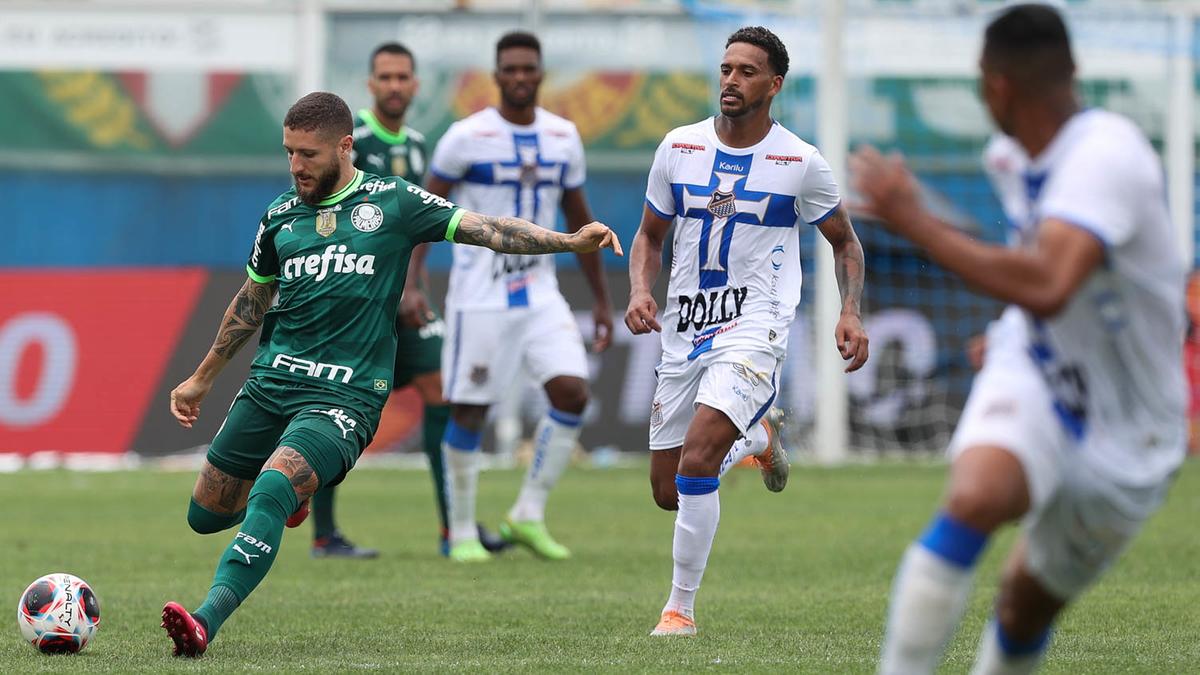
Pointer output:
385, 145
333, 254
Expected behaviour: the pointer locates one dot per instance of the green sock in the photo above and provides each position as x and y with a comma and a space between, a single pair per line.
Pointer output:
248, 558
204, 521
322, 512
432, 431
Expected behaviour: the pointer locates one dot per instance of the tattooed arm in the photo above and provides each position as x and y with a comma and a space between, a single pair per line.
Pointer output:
513, 235
850, 269
241, 321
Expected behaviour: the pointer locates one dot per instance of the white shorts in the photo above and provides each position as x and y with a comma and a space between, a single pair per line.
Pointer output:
1079, 521
740, 384
485, 349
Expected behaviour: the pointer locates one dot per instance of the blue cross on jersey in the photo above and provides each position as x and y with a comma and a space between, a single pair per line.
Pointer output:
724, 203
527, 173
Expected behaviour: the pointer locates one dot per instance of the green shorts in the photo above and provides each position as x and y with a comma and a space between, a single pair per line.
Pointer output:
418, 351
328, 429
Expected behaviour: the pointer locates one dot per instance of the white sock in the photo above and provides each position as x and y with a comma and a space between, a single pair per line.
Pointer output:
552, 445
751, 445
460, 454
695, 527
929, 596
992, 659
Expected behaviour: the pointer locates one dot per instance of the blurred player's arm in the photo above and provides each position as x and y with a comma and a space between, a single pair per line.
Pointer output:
851, 270
241, 321
645, 263
575, 208
415, 310
514, 235
1040, 279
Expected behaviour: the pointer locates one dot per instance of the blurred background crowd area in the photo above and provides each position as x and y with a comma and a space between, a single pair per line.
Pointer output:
140, 144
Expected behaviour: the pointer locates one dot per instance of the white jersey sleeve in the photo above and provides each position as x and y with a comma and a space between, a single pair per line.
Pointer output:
449, 161
576, 169
658, 185
819, 194
1100, 187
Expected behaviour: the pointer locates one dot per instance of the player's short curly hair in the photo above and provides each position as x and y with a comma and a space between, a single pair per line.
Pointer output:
518, 38
765, 40
320, 111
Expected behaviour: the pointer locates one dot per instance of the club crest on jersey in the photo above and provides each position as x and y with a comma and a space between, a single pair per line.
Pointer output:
366, 217
326, 222
721, 205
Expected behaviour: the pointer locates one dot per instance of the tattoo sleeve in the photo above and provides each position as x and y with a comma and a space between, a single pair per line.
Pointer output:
848, 258
243, 317
509, 235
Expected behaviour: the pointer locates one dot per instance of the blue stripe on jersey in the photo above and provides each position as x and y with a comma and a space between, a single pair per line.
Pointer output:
828, 213
724, 203
481, 172
660, 214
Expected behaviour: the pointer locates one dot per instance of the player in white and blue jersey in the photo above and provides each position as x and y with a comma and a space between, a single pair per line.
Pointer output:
505, 311
739, 187
1076, 422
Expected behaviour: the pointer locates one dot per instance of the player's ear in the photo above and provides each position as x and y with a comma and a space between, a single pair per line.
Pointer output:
345, 145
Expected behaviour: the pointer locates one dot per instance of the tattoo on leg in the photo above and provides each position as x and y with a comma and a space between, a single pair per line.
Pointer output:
292, 464
219, 492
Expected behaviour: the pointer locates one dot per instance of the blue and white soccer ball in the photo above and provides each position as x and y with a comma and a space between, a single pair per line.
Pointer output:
58, 614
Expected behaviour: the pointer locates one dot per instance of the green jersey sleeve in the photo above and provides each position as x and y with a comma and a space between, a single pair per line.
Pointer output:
263, 265
428, 216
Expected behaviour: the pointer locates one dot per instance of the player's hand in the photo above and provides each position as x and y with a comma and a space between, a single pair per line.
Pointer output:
888, 190
976, 349
415, 311
851, 341
593, 237
602, 319
642, 314
185, 400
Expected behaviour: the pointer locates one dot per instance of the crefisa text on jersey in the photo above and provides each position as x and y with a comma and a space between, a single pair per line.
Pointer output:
710, 309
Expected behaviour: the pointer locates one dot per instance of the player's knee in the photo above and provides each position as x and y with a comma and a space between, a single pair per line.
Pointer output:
973, 504
666, 496
469, 417
203, 521
570, 396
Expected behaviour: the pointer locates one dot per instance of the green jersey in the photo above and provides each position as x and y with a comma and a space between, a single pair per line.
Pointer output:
340, 265
379, 151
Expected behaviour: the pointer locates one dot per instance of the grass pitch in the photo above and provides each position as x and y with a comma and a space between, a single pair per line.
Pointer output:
797, 582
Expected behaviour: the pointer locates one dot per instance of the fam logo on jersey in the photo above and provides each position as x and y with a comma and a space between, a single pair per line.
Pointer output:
366, 217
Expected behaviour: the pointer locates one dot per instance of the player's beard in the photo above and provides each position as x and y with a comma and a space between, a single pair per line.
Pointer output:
394, 107
525, 99
743, 108
324, 184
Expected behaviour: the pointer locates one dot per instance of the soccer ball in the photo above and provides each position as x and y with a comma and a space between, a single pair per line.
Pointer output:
58, 614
